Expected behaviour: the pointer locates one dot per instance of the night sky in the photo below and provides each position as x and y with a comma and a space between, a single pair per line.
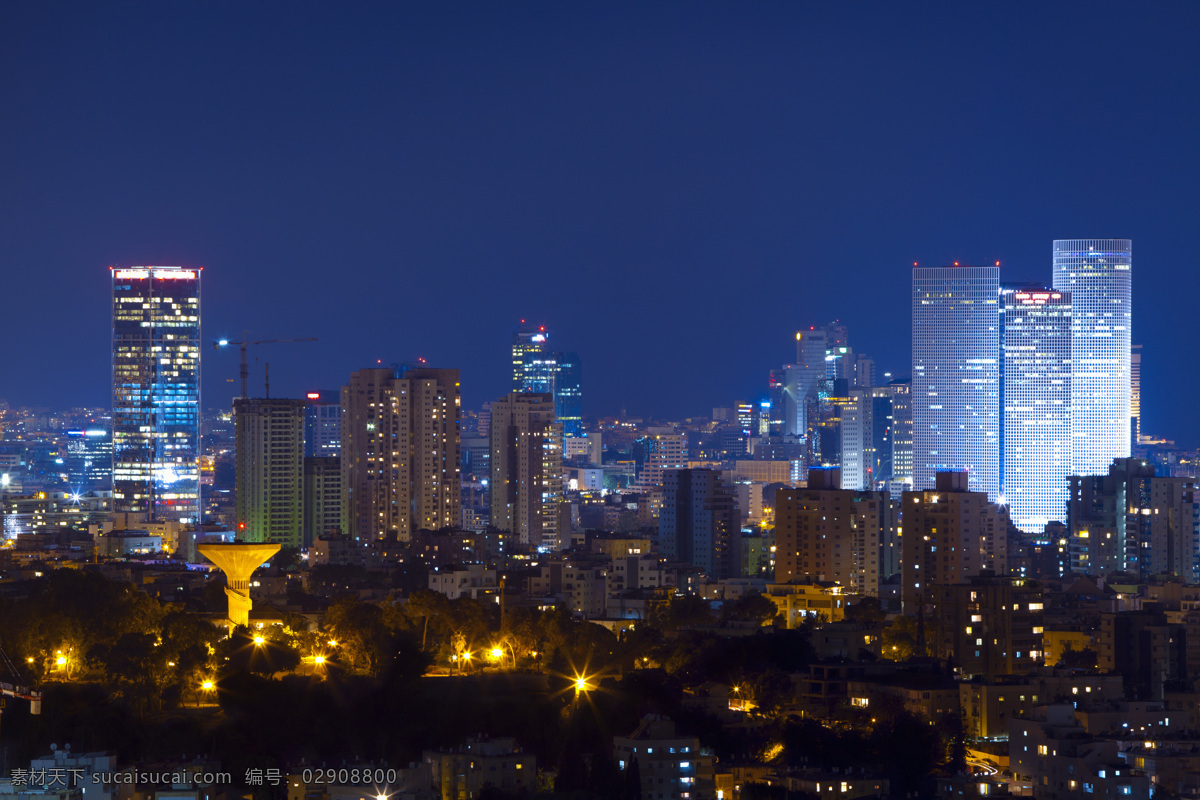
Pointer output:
673, 189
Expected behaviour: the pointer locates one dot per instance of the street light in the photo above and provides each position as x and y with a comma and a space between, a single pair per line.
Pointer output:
318, 660
258, 640
207, 686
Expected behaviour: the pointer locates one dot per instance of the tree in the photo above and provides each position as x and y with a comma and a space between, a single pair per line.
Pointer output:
750, 607
1078, 659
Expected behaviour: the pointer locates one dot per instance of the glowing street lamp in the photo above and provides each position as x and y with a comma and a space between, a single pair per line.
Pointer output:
207, 686
319, 660
258, 640
496, 653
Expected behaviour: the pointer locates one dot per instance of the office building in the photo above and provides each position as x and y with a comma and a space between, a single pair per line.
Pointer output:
802, 380
1135, 393
269, 454
700, 522
538, 369
902, 435
956, 375
526, 465
1037, 405
826, 533
89, 460
949, 534
1097, 274
400, 452
156, 392
568, 394
656, 452
323, 424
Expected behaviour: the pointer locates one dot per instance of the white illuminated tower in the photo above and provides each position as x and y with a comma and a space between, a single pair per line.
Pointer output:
156, 392
1037, 405
1097, 274
956, 375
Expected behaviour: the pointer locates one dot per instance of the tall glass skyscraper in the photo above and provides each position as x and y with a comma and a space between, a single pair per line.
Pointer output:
539, 370
1037, 405
956, 375
1097, 274
156, 392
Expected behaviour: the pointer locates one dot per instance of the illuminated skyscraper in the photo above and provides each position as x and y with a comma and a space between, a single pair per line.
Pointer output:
156, 392
323, 424
803, 379
956, 375
1097, 273
1037, 405
1135, 393
538, 369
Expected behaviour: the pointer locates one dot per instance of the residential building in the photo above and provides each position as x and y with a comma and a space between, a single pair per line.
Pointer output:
949, 534
269, 453
400, 452
989, 625
825, 533
526, 466
700, 522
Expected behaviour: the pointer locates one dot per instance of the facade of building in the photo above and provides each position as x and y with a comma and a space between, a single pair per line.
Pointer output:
802, 379
1037, 405
400, 452
269, 453
323, 424
322, 497
949, 535
1130, 520
540, 370
655, 453
989, 626
956, 375
700, 523
526, 465
89, 459
902, 434
156, 391
1097, 273
828, 534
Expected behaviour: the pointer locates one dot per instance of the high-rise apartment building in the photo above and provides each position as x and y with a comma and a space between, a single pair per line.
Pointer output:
400, 452
826, 533
1037, 405
526, 465
322, 497
269, 457
1097, 273
156, 392
1130, 520
323, 424
700, 522
948, 535
956, 375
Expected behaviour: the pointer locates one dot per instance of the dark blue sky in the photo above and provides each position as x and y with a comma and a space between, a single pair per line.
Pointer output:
672, 188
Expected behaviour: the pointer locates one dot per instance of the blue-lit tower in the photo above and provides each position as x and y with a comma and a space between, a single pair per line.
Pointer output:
156, 392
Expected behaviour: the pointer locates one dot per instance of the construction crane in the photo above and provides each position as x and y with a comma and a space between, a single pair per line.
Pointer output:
19, 692
243, 344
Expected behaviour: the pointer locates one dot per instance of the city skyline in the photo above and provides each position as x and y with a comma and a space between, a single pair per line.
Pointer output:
487, 174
